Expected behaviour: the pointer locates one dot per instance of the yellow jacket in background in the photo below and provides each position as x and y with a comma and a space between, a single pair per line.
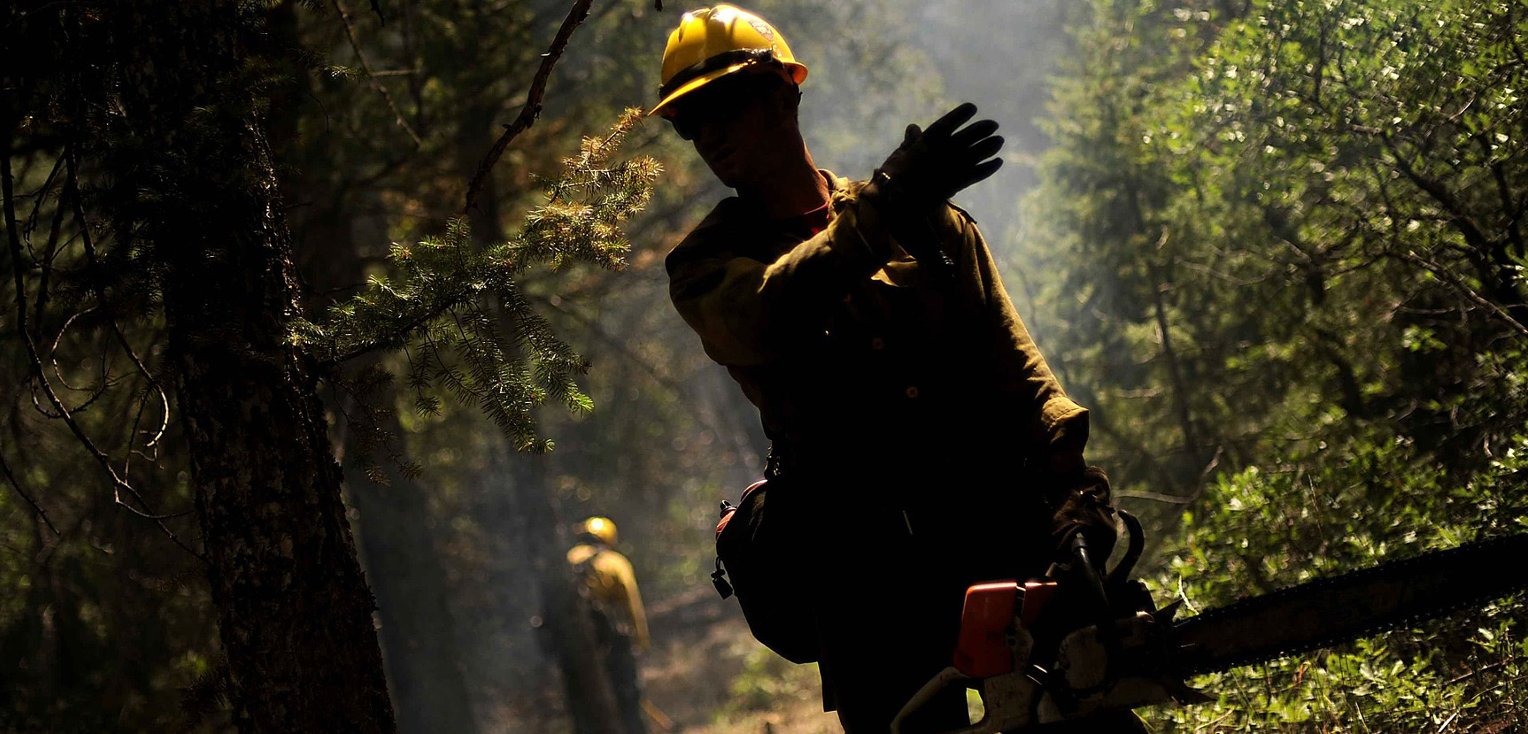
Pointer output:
612, 587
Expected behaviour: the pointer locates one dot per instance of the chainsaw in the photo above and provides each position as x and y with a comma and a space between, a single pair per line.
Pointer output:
1082, 641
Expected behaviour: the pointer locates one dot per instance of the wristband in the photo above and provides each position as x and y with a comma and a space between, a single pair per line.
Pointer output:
919, 238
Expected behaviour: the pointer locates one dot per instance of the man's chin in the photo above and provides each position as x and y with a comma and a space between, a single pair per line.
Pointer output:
730, 176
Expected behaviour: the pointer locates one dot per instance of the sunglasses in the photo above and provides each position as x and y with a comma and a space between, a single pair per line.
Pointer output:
718, 103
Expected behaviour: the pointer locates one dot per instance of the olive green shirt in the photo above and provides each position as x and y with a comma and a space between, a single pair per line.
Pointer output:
847, 344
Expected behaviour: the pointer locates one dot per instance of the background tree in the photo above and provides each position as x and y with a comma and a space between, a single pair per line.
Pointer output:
175, 153
158, 131
1295, 275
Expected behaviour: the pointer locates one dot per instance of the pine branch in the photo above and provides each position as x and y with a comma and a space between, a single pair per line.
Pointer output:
458, 314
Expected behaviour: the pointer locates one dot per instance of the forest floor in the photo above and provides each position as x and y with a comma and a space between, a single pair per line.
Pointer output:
705, 674
708, 675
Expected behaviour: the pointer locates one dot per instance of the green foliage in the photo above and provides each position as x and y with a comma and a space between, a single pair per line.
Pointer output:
1295, 298
1271, 215
459, 314
107, 616
1373, 498
1262, 530
765, 679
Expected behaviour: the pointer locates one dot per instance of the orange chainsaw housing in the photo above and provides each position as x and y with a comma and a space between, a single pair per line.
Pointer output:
982, 649
987, 620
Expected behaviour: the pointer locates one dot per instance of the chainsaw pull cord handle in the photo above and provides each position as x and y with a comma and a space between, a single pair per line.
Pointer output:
1137, 543
1087, 573
1112, 578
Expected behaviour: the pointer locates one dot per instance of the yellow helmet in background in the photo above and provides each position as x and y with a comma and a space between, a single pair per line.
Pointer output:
714, 42
600, 528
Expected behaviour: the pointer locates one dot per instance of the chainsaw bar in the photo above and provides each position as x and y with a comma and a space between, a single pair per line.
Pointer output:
1337, 609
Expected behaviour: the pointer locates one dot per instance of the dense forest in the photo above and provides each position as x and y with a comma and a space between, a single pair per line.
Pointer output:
324, 321
1292, 243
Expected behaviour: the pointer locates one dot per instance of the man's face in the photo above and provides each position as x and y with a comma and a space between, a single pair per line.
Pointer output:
739, 126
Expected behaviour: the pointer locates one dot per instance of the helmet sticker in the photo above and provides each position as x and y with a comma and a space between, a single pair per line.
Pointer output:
763, 28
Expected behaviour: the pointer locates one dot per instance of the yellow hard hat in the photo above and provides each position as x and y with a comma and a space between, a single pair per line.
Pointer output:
598, 527
714, 42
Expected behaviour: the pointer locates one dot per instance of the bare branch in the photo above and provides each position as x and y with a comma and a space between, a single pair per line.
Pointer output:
39, 375
533, 96
1171, 499
1448, 276
355, 44
72, 191
1164, 335
41, 195
1462, 220
1511, 214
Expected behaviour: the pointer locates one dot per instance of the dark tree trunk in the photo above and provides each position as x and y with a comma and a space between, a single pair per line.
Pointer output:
398, 552
474, 137
294, 610
565, 613
418, 630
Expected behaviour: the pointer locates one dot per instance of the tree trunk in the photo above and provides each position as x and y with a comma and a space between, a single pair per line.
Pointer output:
418, 629
565, 613
420, 652
294, 610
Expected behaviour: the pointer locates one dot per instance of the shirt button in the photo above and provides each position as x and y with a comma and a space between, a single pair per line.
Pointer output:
878, 343
911, 391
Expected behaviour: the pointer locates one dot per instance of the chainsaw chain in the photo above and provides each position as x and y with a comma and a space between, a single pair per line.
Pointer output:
1508, 553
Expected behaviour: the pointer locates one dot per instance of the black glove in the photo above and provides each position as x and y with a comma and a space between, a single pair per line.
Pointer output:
1084, 506
933, 164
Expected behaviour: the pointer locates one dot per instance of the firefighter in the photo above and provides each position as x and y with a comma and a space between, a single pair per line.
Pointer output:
919, 443
619, 622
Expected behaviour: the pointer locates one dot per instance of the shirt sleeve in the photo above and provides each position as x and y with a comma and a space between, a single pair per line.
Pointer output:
750, 311
1055, 423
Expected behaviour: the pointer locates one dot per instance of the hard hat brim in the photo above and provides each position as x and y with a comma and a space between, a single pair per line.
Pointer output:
797, 74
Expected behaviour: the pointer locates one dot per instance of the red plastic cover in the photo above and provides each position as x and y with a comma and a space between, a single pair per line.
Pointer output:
982, 650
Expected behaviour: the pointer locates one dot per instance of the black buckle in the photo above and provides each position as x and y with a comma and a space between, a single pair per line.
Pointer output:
719, 580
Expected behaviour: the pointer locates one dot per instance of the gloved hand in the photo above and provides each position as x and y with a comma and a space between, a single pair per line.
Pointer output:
933, 164
1084, 506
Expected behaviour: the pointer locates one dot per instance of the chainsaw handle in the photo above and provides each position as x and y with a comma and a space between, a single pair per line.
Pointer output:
991, 722
924, 695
